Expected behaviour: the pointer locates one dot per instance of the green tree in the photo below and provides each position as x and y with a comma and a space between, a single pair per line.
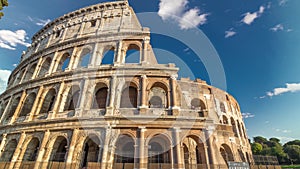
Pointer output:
260, 140
2, 4
256, 148
295, 142
293, 152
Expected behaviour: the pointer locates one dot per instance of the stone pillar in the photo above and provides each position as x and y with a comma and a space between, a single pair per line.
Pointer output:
209, 143
50, 39
112, 93
83, 23
83, 96
65, 31
35, 106
58, 101
144, 56
105, 149
74, 59
179, 159
39, 160
3, 142
70, 161
143, 94
143, 160
119, 53
54, 63
4, 114
23, 75
206, 149
175, 106
19, 148
38, 67
94, 56
19, 107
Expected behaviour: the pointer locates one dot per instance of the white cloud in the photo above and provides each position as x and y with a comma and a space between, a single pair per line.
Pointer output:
42, 22
248, 115
39, 22
4, 75
250, 17
290, 88
282, 2
9, 39
15, 65
278, 27
283, 131
230, 33
178, 11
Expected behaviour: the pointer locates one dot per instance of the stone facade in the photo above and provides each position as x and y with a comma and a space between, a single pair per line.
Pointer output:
75, 100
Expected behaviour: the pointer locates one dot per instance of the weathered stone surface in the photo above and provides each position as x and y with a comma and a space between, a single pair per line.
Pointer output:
66, 105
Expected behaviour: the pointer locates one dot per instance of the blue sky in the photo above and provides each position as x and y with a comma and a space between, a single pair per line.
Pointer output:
257, 41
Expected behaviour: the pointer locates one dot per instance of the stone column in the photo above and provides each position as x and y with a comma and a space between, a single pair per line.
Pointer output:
177, 144
119, 53
206, 149
19, 147
143, 94
4, 114
105, 148
83, 23
58, 101
94, 56
83, 97
175, 107
39, 160
74, 59
35, 106
19, 107
3, 142
143, 160
65, 31
50, 39
112, 93
209, 143
37, 69
144, 56
23, 75
70, 161
54, 63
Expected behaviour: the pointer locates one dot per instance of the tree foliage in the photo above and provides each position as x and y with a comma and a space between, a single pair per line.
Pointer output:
286, 154
3, 3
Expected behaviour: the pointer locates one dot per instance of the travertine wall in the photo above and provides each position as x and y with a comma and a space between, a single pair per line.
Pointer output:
64, 104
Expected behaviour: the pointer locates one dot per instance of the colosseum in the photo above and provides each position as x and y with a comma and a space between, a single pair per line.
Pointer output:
76, 101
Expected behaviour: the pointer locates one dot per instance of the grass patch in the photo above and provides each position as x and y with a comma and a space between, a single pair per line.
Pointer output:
290, 166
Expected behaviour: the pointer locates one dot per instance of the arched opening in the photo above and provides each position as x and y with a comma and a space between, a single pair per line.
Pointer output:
133, 54
226, 153
2, 108
158, 96
73, 98
48, 102
59, 149
100, 98
240, 129
222, 107
124, 152
242, 156
32, 150
244, 131
159, 150
19, 77
248, 158
9, 150
64, 62
85, 58
225, 119
129, 97
198, 104
28, 104
186, 156
30, 72
92, 151
108, 56
234, 129
13, 108
194, 152
45, 67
